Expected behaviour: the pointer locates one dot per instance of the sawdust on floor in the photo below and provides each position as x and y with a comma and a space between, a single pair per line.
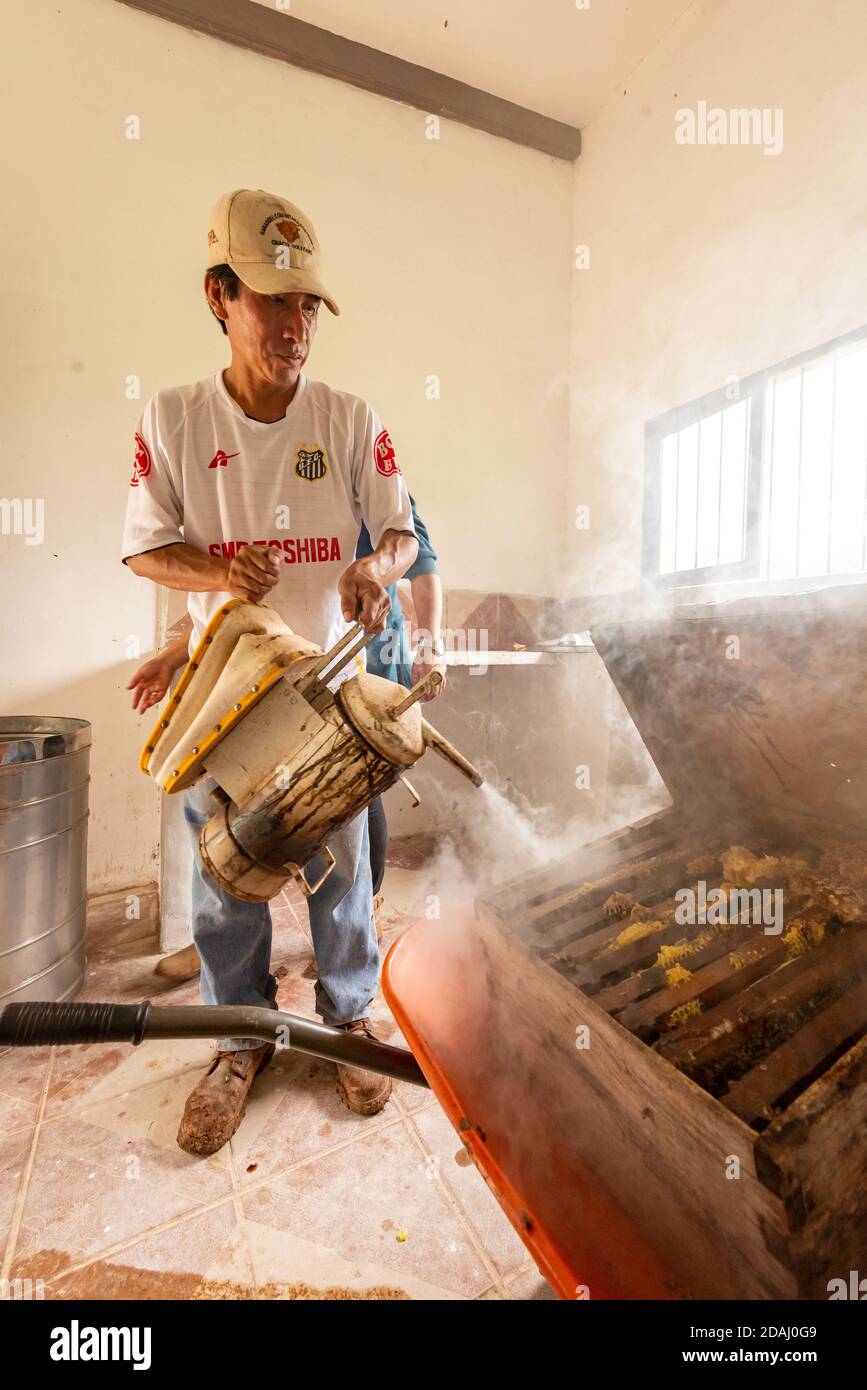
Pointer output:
209, 1289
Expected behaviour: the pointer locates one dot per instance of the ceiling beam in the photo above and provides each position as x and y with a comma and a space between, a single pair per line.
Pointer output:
277, 34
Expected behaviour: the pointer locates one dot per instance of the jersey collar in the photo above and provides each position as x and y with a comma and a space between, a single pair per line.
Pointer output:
232, 405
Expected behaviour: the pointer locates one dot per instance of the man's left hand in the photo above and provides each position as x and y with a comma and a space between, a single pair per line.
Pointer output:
363, 599
421, 667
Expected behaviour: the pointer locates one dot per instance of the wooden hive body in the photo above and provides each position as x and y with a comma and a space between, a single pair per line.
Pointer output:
759, 1190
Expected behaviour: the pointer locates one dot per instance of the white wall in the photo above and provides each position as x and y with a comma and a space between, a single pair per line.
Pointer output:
708, 263
448, 257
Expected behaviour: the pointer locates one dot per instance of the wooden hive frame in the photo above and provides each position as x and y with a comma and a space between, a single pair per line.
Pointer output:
735, 1210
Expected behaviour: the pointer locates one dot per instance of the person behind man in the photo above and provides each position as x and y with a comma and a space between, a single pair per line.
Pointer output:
253, 484
389, 655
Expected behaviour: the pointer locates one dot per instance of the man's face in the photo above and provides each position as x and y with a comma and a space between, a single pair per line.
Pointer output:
271, 334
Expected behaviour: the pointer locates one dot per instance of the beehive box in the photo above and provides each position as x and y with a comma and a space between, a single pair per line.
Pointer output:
724, 1105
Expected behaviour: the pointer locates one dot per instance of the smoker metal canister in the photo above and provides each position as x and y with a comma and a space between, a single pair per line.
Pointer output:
358, 752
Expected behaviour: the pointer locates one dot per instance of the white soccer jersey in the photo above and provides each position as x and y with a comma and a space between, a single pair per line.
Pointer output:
207, 474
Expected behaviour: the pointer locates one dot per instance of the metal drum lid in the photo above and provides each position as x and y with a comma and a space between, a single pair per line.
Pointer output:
369, 703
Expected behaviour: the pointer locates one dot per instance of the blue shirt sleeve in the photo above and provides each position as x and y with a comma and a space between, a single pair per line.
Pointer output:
426, 560
364, 546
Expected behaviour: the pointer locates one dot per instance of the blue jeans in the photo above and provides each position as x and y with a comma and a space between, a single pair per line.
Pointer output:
233, 937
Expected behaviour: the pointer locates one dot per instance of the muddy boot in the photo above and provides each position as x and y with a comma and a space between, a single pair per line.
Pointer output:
365, 1092
180, 965
216, 1106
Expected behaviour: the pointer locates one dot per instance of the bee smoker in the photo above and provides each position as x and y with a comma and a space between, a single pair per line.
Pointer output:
293, 761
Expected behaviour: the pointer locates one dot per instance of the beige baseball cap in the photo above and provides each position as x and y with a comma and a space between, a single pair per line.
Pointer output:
270, 243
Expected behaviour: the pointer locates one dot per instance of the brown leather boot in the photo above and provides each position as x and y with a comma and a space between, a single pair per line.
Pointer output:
365, 1092
180, 965
215, 1107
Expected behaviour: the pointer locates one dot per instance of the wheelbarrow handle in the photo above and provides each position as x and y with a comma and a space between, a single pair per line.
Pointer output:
40, 1024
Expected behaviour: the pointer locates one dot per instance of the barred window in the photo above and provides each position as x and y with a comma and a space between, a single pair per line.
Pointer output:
765, 479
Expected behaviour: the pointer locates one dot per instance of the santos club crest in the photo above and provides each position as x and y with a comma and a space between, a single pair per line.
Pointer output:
311, 465
383, 455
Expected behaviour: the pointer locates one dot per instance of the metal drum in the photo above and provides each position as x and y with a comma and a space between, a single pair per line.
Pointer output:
44, 776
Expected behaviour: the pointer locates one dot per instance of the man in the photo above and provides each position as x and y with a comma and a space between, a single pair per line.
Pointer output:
252, 484
389, 656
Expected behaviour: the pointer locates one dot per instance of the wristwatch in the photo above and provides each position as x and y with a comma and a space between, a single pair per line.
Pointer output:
431, 647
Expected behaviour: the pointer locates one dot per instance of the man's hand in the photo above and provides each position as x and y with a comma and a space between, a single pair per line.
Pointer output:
253, 572
424, 663
151, 681
430, 656
363, 598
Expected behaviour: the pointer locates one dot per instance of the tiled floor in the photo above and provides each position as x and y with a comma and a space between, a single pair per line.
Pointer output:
307, 1201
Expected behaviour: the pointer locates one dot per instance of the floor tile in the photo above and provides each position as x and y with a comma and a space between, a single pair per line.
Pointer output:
287, 936
530, 1285
384, 1025
120, 980
109, 1173
404, 892
14, 1152
166, 993
22, 1076
289, 1266
294, 1112
476, 1200
414, 1098
374, 1201
204, 1256
295, 993
87, 1073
